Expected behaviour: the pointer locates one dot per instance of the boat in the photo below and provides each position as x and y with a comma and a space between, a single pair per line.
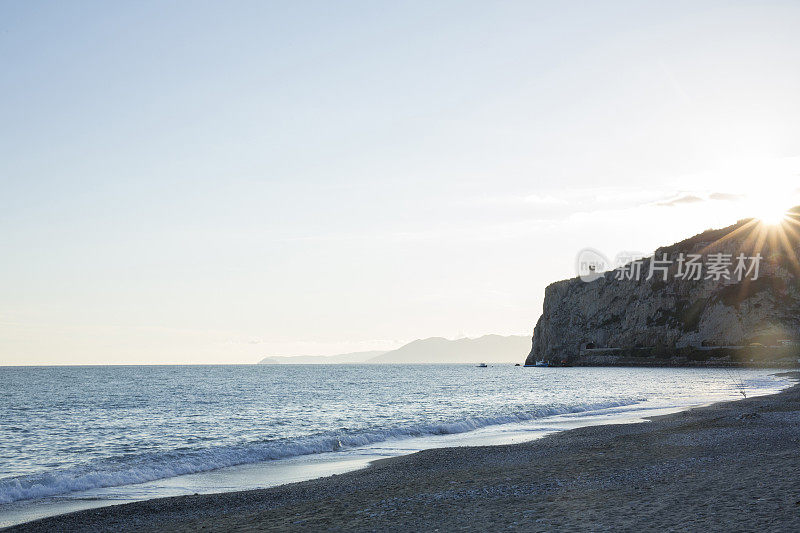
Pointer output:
483, 365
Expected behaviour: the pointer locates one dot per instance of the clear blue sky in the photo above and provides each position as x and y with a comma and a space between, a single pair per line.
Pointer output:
221, 181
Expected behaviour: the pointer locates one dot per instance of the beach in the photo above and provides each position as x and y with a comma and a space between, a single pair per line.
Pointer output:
400, 266
730, 466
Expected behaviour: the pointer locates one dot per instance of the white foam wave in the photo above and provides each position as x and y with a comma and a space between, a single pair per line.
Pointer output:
150, 467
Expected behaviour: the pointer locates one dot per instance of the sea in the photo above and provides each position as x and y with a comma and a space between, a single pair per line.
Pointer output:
79, 437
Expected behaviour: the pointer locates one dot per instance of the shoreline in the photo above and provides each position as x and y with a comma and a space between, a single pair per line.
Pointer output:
629, 395
677, 470
254, 476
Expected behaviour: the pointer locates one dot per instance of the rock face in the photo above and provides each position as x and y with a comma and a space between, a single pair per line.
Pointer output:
662, 318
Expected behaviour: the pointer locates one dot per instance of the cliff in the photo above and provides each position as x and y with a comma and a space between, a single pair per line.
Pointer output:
611, 318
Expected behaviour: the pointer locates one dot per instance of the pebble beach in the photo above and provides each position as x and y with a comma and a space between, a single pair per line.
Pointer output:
730, 466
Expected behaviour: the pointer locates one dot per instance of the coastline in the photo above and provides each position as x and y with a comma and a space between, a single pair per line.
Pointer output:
730, 464
267, 474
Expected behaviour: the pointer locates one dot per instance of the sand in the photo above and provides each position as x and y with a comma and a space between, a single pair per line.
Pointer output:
731, 466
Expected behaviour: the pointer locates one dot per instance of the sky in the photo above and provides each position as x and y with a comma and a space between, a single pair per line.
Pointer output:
216, 182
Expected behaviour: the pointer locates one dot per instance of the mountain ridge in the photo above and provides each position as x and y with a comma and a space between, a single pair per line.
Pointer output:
489, 348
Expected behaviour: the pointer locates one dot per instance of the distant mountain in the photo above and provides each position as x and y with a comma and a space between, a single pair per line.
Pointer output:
354, 357
488, 349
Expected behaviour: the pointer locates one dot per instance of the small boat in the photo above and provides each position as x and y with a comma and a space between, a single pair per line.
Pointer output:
541, 363
483, 365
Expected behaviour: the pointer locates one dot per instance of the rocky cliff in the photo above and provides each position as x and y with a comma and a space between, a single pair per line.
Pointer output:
669, 315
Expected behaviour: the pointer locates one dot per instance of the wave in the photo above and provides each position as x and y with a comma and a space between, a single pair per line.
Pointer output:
150, 467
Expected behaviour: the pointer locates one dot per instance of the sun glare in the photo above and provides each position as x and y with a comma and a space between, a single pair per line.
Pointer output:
772, 218
770, 215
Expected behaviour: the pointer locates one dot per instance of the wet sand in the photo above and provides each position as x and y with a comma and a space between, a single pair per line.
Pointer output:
731, 466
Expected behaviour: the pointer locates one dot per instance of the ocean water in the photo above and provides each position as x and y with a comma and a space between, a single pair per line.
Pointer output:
73, 430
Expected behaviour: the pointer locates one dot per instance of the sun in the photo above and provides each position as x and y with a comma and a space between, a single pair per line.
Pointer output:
768, 213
